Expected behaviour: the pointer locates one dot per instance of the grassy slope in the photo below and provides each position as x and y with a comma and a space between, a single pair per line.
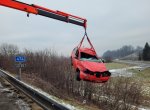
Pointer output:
143, 77
143, 74
114, 65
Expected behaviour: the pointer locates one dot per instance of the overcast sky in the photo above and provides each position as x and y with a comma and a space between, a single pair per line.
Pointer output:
111, 24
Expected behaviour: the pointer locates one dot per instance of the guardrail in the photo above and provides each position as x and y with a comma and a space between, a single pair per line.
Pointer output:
45, 102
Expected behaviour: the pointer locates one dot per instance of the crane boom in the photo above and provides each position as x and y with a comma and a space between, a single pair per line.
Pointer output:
38, 10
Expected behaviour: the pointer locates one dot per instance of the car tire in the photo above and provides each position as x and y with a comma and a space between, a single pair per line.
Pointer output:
78, 76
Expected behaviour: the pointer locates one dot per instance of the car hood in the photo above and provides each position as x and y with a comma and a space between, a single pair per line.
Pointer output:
94, 66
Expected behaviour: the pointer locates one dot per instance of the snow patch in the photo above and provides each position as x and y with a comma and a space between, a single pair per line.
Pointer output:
141, 108
5, 90
69, 106
124, 71
22, 105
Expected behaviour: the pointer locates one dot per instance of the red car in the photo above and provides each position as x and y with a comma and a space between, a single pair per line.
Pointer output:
88, 66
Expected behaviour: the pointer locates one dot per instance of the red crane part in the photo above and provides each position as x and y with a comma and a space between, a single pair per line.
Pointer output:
38, 10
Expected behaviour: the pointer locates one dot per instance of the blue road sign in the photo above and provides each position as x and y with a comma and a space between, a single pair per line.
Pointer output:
20, 59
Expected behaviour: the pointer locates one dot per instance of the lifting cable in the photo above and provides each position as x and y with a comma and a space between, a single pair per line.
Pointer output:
85, 35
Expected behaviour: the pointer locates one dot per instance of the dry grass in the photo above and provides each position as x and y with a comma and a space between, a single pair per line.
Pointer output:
143, 77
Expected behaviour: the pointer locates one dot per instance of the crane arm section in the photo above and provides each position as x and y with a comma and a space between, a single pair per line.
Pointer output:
38, 10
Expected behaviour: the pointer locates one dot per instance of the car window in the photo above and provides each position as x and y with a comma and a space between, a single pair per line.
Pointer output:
88, 57
85, 55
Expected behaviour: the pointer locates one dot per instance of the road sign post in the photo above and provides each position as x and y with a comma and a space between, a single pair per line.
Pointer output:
19, 73
20, 60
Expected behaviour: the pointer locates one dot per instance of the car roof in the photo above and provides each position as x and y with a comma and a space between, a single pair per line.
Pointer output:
88, 51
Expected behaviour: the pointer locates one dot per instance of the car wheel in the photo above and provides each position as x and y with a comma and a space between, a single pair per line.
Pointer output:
78, 76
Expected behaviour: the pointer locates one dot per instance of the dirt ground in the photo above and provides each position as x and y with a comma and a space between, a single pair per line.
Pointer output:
7, 100
12, 99
7, 103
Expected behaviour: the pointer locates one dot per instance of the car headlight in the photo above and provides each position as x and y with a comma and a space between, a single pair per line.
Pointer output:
88, 72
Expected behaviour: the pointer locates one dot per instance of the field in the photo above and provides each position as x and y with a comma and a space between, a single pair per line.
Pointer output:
145, 74
114, 65
144, 78
141, 76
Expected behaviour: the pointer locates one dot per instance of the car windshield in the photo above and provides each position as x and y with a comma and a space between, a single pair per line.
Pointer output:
88, 57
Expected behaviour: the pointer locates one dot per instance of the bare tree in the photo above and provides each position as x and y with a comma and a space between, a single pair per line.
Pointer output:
7, 53
9, 49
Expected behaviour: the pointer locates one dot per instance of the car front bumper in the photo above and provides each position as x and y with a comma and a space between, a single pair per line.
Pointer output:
93, 78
